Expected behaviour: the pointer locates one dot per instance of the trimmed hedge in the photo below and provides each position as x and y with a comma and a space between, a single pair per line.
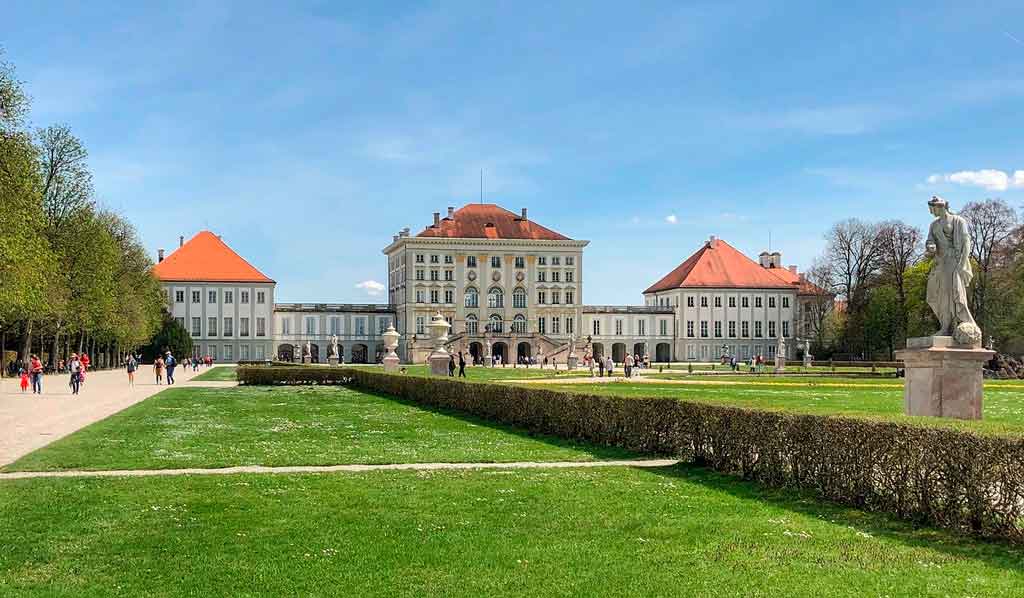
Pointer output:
949, 478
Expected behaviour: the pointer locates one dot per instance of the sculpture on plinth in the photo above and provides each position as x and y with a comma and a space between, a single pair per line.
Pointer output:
439, 337
390, 343
332, 350
808, 358
780, 356
944, 371
307, 353
571, 360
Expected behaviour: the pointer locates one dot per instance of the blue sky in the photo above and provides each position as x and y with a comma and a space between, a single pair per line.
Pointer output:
306, 134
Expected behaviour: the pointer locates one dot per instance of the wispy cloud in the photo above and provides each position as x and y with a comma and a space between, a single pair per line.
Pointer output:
371, 287
1013, 37
671, 219
987, 178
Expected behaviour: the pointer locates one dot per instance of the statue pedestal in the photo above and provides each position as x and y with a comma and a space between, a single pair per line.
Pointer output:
780, 364
307, 359
332, 360
943, 379
391, 364
808, 358
571, 362
438, 363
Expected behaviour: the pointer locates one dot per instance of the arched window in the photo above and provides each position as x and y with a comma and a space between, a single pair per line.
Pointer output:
472, 325
519, 298
495, 298
519, 324
472, 297
496, 324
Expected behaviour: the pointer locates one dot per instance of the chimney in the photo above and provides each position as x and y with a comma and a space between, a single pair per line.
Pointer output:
181, 240
159, 255
394, 238
404, 232
776, 259
451, 213
523, 217
764, 258
712, 242
792, 269
437, 219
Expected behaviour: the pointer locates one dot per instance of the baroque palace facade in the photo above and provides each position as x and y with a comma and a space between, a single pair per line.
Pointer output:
509, 287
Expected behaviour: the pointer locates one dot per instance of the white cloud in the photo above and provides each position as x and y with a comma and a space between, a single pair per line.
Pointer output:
372, 287
987, 178
671, 219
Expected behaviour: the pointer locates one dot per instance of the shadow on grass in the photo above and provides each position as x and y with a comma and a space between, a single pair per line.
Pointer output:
996, 553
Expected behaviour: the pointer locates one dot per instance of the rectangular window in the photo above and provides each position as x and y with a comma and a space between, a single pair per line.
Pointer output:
556, 297
556, 260
434, 296
771, 302
286, 325
542, 297
704, 328
570, 260
179, 296
435, 275
757, 330
689, 302
180, 321
229, 353
663, 327
229, 297
259, 353
211, 326
745, 329
757, 302
495, 261
689, 328
542, 276
229, 327
449, 275
732, 302
520, 262
335, 325
310, 326
419, 325
555, 326
556, 277
419, 258
195, 297
471, 261
771, 329
718, 329
261, 297
785, 302
435, 259
420, 296
212, 350
745, 301
568, 276
519, 300
382, 325
448, 259
449, 296
570, 297
785, 328
641, 327
703, 301
542, 325
542, 260
718, 302
211, 296
360, 326
618, 327
245, 297
243, 326
472, 326
597, 327
569, 325
732, 329
243, 352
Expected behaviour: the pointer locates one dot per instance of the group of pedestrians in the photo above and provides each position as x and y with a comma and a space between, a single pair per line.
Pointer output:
165, 364
605, 366
462, 365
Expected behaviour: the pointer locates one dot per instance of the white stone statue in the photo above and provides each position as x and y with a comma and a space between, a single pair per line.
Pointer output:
949, 244
332, 351
307, 351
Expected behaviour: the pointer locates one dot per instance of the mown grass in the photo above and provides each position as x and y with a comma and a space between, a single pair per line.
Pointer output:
612, 532
1003, 404
219, 427
481, 373
219, 373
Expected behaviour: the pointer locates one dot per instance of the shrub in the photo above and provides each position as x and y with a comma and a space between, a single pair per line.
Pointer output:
943, 477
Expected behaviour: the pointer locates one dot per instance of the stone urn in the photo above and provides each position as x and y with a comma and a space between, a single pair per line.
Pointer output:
438, 358
390, 343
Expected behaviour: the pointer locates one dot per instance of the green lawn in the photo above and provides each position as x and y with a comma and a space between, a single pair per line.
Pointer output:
611, 532
480, 373
217, 374
1003, 402
218, 427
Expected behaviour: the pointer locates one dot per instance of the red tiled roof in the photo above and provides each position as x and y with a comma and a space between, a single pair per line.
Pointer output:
205, 258
718, 264
806, 287
489, 221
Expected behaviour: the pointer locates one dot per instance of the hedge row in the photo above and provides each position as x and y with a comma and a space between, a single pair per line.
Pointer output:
936, 476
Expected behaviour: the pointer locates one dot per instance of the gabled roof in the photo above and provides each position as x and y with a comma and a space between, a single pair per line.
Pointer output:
718, 264
805, 287
489, 221
205, 258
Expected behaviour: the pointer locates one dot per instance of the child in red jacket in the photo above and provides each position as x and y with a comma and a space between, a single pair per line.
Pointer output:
24, 380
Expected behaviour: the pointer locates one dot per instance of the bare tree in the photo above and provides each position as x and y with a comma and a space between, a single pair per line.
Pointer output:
66, 180
992, 224
854, 255
900, 249
818, 303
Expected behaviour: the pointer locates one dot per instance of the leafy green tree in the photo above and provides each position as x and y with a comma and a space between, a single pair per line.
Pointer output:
172, 337
883, 321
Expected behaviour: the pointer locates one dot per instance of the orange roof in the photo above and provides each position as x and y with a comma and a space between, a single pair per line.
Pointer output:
806, 287
718, 264
205, 258
489, 221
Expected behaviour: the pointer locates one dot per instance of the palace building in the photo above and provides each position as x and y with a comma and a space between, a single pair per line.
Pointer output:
510, 288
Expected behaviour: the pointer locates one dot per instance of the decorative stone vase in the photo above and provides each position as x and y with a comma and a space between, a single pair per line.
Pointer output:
391, 360
439, 337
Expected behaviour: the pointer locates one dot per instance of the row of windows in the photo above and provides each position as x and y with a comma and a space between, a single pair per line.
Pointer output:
258, 352
229, 297
519, 261
744, 329
641, 327
744, 301
228, 328
496, 297
743, 352
311, 325
496, 325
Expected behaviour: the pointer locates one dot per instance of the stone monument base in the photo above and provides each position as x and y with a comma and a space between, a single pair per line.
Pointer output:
571, 362
332, 360
391, 364
439, 364
307, 359
942, 379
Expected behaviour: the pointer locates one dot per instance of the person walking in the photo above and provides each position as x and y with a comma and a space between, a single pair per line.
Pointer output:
451, 366
610, 366
36, 369
24, 380
195, 363
590, 364
600, 367
131, 365
462, 365
86, 362
170, 364
627, 365
158, 369
75, 366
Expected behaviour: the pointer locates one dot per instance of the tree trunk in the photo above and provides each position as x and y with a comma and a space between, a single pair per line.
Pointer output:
26, 346
3, 353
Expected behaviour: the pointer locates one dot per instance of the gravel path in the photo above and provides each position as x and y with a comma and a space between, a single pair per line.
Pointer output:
336, 468
29, 422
